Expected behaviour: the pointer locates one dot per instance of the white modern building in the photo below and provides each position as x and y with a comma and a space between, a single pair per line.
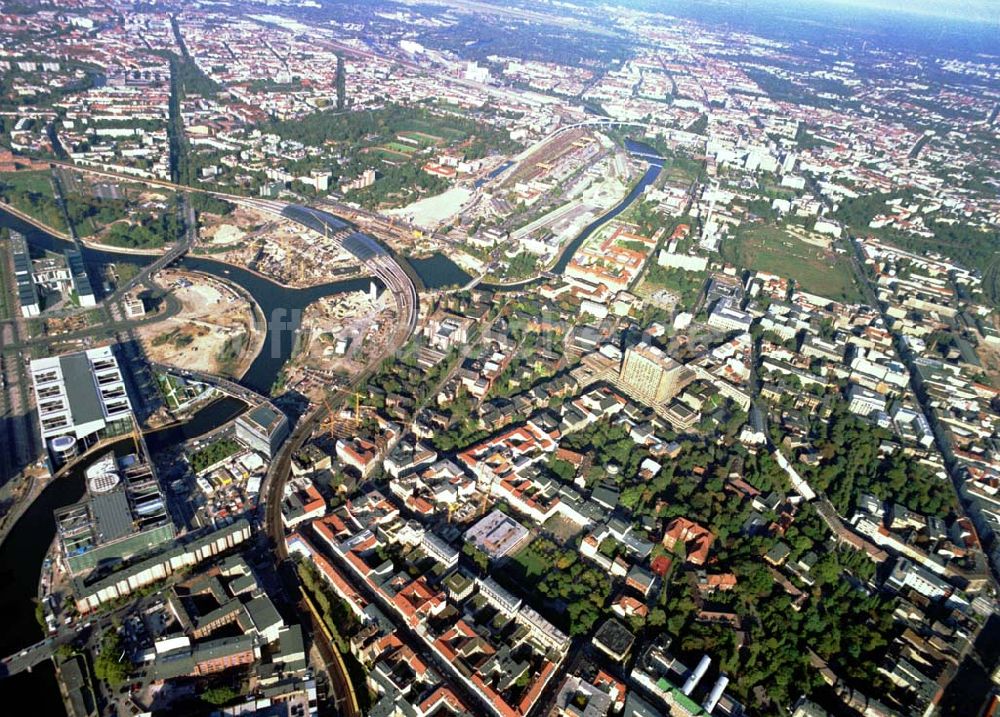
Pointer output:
81, 395
726, 317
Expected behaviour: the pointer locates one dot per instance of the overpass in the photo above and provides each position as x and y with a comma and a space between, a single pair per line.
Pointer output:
233, 388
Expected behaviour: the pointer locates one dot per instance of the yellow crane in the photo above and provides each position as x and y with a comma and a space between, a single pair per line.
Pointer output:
357, 405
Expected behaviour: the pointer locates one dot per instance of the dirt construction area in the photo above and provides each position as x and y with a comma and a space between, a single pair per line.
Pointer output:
214, 332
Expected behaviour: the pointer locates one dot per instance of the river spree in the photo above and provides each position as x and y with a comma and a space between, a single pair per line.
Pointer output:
437, 271
22, 553
278, 303
21, 556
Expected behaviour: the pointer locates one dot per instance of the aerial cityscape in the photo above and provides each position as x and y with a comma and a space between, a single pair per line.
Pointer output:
506, 359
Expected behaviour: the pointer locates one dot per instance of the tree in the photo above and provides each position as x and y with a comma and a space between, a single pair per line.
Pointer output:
219, 695
112, 663
480, 558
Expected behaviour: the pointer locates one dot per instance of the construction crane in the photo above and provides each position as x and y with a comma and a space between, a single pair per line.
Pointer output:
356, 419
331, 417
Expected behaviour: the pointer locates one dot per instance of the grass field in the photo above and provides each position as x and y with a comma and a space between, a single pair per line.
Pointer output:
39, 181
421, 138
437, 130
681, 170
400, 147
813, 269
31, 193
389, 154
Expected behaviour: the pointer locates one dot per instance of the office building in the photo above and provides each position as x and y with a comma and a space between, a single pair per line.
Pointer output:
727, 317
27, 295
81, 395
262, 429
175, 556
651, 375
122, 514
865, 402
81, 282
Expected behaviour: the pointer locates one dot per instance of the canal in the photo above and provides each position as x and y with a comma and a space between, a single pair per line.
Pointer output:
652, 172
638, 149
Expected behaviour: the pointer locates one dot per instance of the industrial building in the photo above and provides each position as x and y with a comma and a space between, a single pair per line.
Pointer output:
82, 396
262, 429
122, 514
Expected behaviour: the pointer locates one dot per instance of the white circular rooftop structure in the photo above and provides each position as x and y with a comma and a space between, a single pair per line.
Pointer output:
61, 444
102, 477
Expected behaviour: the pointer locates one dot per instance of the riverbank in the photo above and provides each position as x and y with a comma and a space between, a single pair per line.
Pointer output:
30, 537
562, 259
215, 331
34, 222
91, 244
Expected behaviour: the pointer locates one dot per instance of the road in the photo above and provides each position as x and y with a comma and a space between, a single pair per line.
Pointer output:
377, 259
940, 439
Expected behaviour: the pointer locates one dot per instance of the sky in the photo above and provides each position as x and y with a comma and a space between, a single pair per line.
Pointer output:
978, 10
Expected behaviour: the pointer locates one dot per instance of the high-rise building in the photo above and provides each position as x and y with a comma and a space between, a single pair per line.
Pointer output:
27, 294
651, 375
262, 429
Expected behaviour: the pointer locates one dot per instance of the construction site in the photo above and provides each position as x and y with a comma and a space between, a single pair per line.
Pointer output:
277, 248
215, 332
339, 334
